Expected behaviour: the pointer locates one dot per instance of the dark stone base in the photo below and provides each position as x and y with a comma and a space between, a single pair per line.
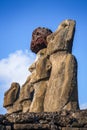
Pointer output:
63, 120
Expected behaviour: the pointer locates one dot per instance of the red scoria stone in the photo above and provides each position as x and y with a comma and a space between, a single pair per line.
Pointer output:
38, 41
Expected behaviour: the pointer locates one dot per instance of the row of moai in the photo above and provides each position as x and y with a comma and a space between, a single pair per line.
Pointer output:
52, 85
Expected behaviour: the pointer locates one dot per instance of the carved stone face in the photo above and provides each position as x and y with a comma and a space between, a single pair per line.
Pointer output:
62, 38
12, 94
41, 68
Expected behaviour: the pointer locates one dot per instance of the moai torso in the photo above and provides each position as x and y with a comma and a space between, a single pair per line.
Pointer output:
62, 88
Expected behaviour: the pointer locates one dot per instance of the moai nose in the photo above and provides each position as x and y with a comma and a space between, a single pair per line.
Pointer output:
32, 67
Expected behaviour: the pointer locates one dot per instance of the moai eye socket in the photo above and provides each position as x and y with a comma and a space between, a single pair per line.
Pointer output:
37, 33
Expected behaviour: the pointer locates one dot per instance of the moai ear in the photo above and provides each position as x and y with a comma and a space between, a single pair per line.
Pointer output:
48, 65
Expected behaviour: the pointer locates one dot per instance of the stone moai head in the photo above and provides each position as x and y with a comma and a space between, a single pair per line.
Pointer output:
11, 95
62, 38
38, 41
41, 68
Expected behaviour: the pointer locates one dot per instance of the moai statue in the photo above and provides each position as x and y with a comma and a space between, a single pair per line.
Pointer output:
62, 90
11, 98
26, 94
41, 68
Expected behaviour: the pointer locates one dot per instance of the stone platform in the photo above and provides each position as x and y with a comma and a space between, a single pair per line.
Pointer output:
63, 120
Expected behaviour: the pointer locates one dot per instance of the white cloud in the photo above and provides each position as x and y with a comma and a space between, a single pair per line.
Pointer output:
14, 68
83, 106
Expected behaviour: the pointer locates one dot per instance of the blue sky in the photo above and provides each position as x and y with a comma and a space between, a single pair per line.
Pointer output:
18, 18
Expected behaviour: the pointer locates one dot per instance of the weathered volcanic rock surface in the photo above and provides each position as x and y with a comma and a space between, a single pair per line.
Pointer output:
63, 120
12, 94
39, 36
